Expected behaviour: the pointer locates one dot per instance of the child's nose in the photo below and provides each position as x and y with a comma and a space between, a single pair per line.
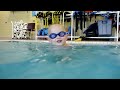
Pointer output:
58, 36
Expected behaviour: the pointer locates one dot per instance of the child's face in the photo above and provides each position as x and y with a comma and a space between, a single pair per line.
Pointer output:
58, 40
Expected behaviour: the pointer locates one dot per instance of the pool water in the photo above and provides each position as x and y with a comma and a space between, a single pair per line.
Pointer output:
34, 60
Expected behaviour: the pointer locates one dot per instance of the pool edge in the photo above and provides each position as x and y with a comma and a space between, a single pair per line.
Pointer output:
72, 42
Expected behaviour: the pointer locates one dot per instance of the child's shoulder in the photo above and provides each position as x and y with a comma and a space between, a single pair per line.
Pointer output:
67, 45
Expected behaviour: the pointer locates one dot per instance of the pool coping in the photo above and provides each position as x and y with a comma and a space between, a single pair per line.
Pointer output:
73, 42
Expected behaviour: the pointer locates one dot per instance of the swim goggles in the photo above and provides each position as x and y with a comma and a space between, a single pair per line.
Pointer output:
54, 35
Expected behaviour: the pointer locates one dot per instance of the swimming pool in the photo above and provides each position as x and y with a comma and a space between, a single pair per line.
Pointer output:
34, 60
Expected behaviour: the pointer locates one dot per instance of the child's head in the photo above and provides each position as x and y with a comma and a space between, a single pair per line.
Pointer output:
57, 34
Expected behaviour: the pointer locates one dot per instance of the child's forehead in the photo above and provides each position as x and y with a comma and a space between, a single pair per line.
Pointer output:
56, 28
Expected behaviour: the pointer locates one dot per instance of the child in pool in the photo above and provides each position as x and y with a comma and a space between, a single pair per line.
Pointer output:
57, 35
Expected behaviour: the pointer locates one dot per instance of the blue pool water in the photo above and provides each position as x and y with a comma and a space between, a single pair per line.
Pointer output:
34, 60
